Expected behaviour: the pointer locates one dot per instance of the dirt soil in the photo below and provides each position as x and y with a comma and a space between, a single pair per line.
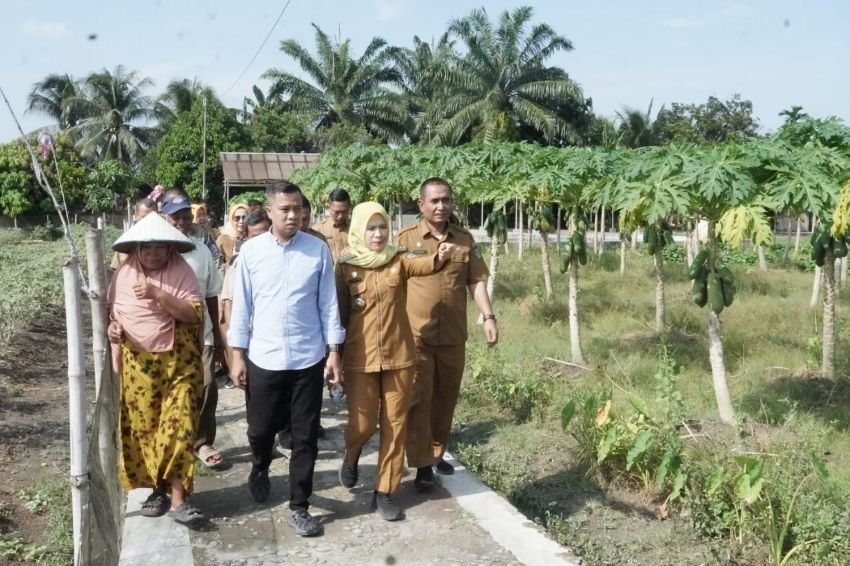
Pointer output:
33, 420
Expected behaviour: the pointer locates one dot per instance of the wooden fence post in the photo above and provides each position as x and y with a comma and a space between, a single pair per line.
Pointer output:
106, 387
77, 411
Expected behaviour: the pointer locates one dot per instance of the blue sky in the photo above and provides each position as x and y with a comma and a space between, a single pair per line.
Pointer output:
776, 53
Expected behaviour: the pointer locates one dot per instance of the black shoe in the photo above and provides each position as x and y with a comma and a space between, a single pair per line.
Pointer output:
228, 384
321, 433
384, 505
305, 525
258, 483
444, 467
424, 478
347, 473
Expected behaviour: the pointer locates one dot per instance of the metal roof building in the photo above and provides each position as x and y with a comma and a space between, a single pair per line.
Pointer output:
245, 169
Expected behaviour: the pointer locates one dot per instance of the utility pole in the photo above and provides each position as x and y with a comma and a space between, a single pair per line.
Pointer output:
204, 159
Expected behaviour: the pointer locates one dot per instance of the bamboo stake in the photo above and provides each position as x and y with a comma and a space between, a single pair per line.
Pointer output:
77, 412
106, 387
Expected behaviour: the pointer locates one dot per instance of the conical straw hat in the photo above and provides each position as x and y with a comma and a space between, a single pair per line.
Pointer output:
152, 228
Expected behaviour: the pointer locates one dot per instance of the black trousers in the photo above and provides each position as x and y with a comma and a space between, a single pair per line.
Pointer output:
273, 396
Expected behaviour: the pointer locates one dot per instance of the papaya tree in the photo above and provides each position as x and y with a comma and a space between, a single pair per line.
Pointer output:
810, 178
575, 175
718, 179
648, 193
497, 230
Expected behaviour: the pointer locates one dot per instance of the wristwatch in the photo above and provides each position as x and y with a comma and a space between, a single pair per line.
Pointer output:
489, 317
333, 348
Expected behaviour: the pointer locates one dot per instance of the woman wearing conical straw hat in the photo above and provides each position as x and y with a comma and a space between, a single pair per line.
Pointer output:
156, 321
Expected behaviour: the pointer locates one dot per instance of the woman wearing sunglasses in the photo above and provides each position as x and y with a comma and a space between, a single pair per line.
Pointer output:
233, 233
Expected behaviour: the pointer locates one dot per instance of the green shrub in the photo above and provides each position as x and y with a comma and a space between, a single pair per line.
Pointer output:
47, 232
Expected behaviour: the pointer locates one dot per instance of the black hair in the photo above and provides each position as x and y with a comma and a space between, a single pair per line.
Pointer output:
282, 187
339, 195
433, 181
305, 203
254, 203
257, 217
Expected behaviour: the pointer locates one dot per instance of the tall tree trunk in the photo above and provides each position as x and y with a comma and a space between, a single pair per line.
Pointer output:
572, 301
622, 257
520, 230
762, 258
595, 231
828, 361
715, 347
797, 237
660, 307
635, 236
816, 286
547, 271
602, 232
689, 246
718, 370
558, 229
843, 280
787, 251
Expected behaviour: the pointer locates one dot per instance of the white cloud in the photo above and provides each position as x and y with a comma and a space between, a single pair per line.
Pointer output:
683, 23
389, 10
45, 30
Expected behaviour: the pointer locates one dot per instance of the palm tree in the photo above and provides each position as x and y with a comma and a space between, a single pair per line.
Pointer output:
115, 106
638, 129
179, 96
502, 82
54, 97
346, 90
423, 69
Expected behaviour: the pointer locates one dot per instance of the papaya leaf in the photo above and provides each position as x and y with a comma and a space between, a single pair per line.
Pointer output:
841, 214
567, 414
639, 447
742, 222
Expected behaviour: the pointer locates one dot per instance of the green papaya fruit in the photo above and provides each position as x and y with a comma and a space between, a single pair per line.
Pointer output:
728, 289
726, 274
715, 293
582, 256
699, 293
698, 264
565, 263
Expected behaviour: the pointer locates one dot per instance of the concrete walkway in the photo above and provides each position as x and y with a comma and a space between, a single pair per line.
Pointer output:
461, 521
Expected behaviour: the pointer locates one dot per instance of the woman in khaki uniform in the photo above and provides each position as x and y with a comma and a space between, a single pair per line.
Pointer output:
379, 353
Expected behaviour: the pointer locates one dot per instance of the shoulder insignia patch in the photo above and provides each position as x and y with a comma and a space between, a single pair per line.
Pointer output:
401, 249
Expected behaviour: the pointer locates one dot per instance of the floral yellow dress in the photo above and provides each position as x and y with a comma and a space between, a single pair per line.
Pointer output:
161, 395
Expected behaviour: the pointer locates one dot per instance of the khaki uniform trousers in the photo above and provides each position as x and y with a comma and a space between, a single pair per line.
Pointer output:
380, 395
439, 370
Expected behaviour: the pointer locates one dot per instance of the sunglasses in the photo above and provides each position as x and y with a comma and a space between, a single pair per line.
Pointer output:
238, 218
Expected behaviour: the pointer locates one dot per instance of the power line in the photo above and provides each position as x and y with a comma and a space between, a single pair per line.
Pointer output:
245, 70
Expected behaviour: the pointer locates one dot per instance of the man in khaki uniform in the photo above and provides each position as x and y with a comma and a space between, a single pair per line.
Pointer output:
335, 228
436, 306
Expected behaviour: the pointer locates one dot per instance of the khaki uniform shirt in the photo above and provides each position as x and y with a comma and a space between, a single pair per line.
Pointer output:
336, 238
322, 237
372, 308
436, 305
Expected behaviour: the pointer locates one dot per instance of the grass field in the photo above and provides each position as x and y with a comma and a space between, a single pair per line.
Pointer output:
508, 423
